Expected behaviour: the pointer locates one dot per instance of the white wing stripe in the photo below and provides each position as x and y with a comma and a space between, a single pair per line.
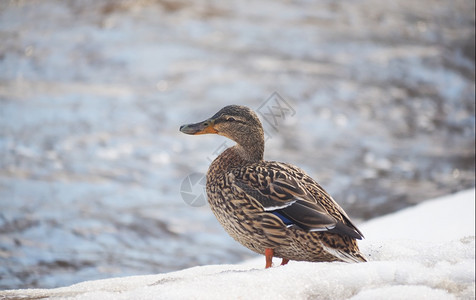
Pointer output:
271, 208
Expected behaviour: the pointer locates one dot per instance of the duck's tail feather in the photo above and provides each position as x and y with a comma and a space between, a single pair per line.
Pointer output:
354, 257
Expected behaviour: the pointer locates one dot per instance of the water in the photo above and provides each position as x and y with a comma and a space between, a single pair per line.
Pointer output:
380, 100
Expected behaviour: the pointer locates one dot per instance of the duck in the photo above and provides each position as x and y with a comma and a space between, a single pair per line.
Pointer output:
272, 208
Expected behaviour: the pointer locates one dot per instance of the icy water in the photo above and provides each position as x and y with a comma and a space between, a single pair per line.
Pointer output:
374, 99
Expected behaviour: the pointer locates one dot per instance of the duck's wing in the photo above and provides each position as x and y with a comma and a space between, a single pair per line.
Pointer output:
283, 194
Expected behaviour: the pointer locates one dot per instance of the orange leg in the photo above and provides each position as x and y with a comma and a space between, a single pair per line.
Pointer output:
284, 261
268, 252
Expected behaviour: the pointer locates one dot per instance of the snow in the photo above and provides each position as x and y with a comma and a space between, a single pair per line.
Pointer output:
422, 252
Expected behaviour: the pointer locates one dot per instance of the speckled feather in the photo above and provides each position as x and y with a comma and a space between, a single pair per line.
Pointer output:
272, 205
233, 193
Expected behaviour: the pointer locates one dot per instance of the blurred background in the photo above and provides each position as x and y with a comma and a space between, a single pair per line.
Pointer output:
380, 109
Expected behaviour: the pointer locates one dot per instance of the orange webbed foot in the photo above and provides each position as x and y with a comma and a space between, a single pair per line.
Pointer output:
268, 253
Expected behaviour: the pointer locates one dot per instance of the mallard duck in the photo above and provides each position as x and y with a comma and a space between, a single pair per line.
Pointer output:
272, 208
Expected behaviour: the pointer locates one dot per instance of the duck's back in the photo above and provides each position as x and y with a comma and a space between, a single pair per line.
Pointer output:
275, 205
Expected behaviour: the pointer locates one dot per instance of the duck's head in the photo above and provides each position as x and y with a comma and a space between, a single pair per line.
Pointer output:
236, 122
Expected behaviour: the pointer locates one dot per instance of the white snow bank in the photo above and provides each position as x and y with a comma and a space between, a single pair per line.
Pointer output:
423, 252
443, 219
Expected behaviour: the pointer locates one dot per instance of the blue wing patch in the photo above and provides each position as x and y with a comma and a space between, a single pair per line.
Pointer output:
285, 220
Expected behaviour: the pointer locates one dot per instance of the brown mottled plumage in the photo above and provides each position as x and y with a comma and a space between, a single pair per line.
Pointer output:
272, 208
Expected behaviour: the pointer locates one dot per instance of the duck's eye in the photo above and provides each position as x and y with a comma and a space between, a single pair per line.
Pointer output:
230, 119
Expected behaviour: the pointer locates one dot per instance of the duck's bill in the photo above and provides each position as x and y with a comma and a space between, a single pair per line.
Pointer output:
199, 128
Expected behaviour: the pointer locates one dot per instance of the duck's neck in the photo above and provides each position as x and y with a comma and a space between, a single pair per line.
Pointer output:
236, 156
250, 153
250, 145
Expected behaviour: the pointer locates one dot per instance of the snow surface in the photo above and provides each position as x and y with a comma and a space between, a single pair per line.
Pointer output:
422, 252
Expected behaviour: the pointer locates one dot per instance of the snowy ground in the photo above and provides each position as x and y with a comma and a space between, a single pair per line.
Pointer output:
92, 94
423, 252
